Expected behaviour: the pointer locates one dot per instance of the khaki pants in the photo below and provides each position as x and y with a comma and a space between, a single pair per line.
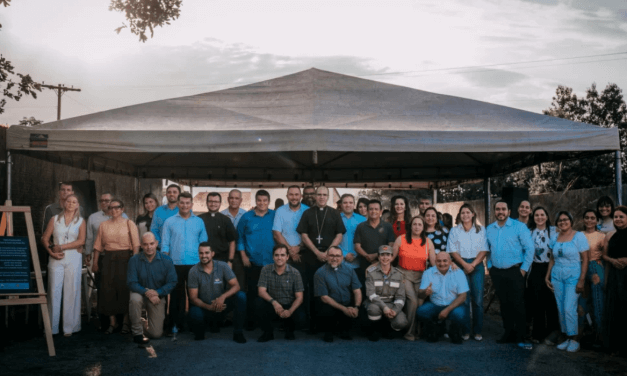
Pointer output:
412, 284
155, 313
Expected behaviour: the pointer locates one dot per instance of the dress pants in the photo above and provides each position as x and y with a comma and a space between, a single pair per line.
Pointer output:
510, 288
64, 282
307, 267
178, 297
541, 302
266, 314
252, 279
155, 315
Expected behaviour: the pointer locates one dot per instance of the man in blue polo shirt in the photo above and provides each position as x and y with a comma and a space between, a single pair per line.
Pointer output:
339, 291
213, 292
286, 220
165, 211
447, 290
255, 244
181, 235
511, 255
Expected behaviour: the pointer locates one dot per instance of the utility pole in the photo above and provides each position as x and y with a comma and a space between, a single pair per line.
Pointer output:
59, 89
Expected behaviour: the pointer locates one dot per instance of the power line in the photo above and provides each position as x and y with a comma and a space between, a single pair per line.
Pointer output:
59, 90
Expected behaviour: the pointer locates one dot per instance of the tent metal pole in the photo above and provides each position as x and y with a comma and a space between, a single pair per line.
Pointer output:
9, 163
486, 200
435, 196
619, 178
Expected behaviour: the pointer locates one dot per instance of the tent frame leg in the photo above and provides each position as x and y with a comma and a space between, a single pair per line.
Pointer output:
486, 200
618, 168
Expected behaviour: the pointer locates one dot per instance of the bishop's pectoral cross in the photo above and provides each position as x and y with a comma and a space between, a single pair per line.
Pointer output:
319, 239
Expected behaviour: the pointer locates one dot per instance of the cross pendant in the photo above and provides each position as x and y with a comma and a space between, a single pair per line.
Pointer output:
319, 239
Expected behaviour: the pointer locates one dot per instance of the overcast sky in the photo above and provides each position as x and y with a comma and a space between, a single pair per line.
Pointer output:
218, 44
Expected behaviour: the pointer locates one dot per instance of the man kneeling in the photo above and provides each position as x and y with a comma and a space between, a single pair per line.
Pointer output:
337, 287
280, 295
447, 290
150, 278
210, 297
385, 292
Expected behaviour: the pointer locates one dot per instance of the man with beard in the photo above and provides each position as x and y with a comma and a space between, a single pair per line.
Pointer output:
286, 220
511, 254
320, 228
165, 211
309, 196
210, 297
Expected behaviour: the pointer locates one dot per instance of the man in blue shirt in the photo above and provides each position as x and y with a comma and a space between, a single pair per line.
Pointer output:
213, 292
350, 220
150, 278
511, 254
255, 244
286, 220
446, 289
182, 233
165, 211
339, 291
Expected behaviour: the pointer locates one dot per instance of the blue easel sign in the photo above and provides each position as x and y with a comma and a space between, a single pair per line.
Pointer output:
14, 264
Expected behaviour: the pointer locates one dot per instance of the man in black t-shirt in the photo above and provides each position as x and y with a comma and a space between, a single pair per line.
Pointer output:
320, 227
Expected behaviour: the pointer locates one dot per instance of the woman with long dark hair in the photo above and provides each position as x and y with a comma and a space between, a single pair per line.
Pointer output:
539, 299
596, 269
144, 221
399, 214
468, 246
435, 231
413, 250
362, 207
605, 210
615, 256
566, 276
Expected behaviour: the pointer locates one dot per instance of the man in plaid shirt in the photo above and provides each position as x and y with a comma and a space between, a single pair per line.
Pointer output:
280, 294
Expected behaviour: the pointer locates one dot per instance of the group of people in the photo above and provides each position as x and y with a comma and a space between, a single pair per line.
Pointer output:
307, 264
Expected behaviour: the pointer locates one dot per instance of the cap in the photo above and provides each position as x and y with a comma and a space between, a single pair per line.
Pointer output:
385, 249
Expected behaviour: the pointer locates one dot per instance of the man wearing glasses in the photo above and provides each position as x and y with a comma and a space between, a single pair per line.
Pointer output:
339, 291
511, 254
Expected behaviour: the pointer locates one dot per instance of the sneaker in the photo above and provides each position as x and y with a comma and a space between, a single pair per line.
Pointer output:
525, 345
239, 338
564, 345
266, 336
445, 335
466, 337
478, 337
573, 346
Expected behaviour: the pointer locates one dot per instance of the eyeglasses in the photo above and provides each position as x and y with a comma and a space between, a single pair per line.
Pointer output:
115, 207
563, 220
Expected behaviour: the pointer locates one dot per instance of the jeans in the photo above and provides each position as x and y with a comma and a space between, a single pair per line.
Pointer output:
199, 317
564, 280
475, 282
429, 312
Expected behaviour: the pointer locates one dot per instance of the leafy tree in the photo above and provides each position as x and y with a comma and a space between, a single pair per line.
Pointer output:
14, 85
146, 15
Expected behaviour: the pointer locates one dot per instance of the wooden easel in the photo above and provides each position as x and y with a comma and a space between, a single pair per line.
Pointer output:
38, 297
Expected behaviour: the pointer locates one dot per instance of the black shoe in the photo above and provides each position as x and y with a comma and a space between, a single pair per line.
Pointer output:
250, 326
456, 338
239, 338
266, 336
328, 337
289, 335
346, 336
507, 338
140, 340
199, 337
374, 336
388, 334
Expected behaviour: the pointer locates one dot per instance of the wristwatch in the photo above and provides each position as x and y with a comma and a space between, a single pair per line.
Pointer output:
271, 301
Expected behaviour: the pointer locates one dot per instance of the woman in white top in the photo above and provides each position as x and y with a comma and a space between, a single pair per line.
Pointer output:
468, 246
65, 266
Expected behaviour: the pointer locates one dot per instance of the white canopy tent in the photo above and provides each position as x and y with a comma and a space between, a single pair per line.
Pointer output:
313, 126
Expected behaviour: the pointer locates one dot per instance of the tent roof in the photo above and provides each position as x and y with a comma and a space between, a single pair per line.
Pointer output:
313, 125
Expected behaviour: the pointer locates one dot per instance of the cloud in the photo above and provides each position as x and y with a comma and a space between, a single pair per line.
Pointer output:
492, 78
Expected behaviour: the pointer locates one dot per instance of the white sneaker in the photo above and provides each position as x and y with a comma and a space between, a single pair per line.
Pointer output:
564, 345
446, 335
573, 346
466, 337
